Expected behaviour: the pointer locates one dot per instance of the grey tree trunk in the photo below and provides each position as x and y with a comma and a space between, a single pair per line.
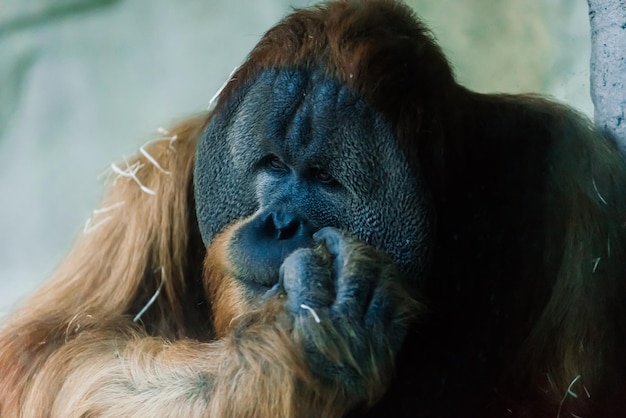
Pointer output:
608, 65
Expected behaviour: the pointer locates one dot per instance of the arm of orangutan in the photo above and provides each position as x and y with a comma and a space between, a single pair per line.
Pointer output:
324, 342
252, 372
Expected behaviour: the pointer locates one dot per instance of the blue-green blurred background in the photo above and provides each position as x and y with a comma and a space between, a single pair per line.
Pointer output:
83, 82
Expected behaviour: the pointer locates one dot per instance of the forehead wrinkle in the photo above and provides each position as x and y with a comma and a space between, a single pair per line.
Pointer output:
300, 131
286, 96
339, 124
325, 103
304, 112
310, 119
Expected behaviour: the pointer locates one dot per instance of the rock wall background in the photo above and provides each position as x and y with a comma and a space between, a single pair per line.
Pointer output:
84, 82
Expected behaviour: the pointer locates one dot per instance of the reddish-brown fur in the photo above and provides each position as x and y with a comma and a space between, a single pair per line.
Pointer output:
72, 349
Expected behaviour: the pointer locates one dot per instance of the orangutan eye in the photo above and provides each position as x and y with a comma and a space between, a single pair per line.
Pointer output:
323, 176
275, 164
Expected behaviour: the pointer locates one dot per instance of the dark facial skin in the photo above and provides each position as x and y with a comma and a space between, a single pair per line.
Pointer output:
304, 152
